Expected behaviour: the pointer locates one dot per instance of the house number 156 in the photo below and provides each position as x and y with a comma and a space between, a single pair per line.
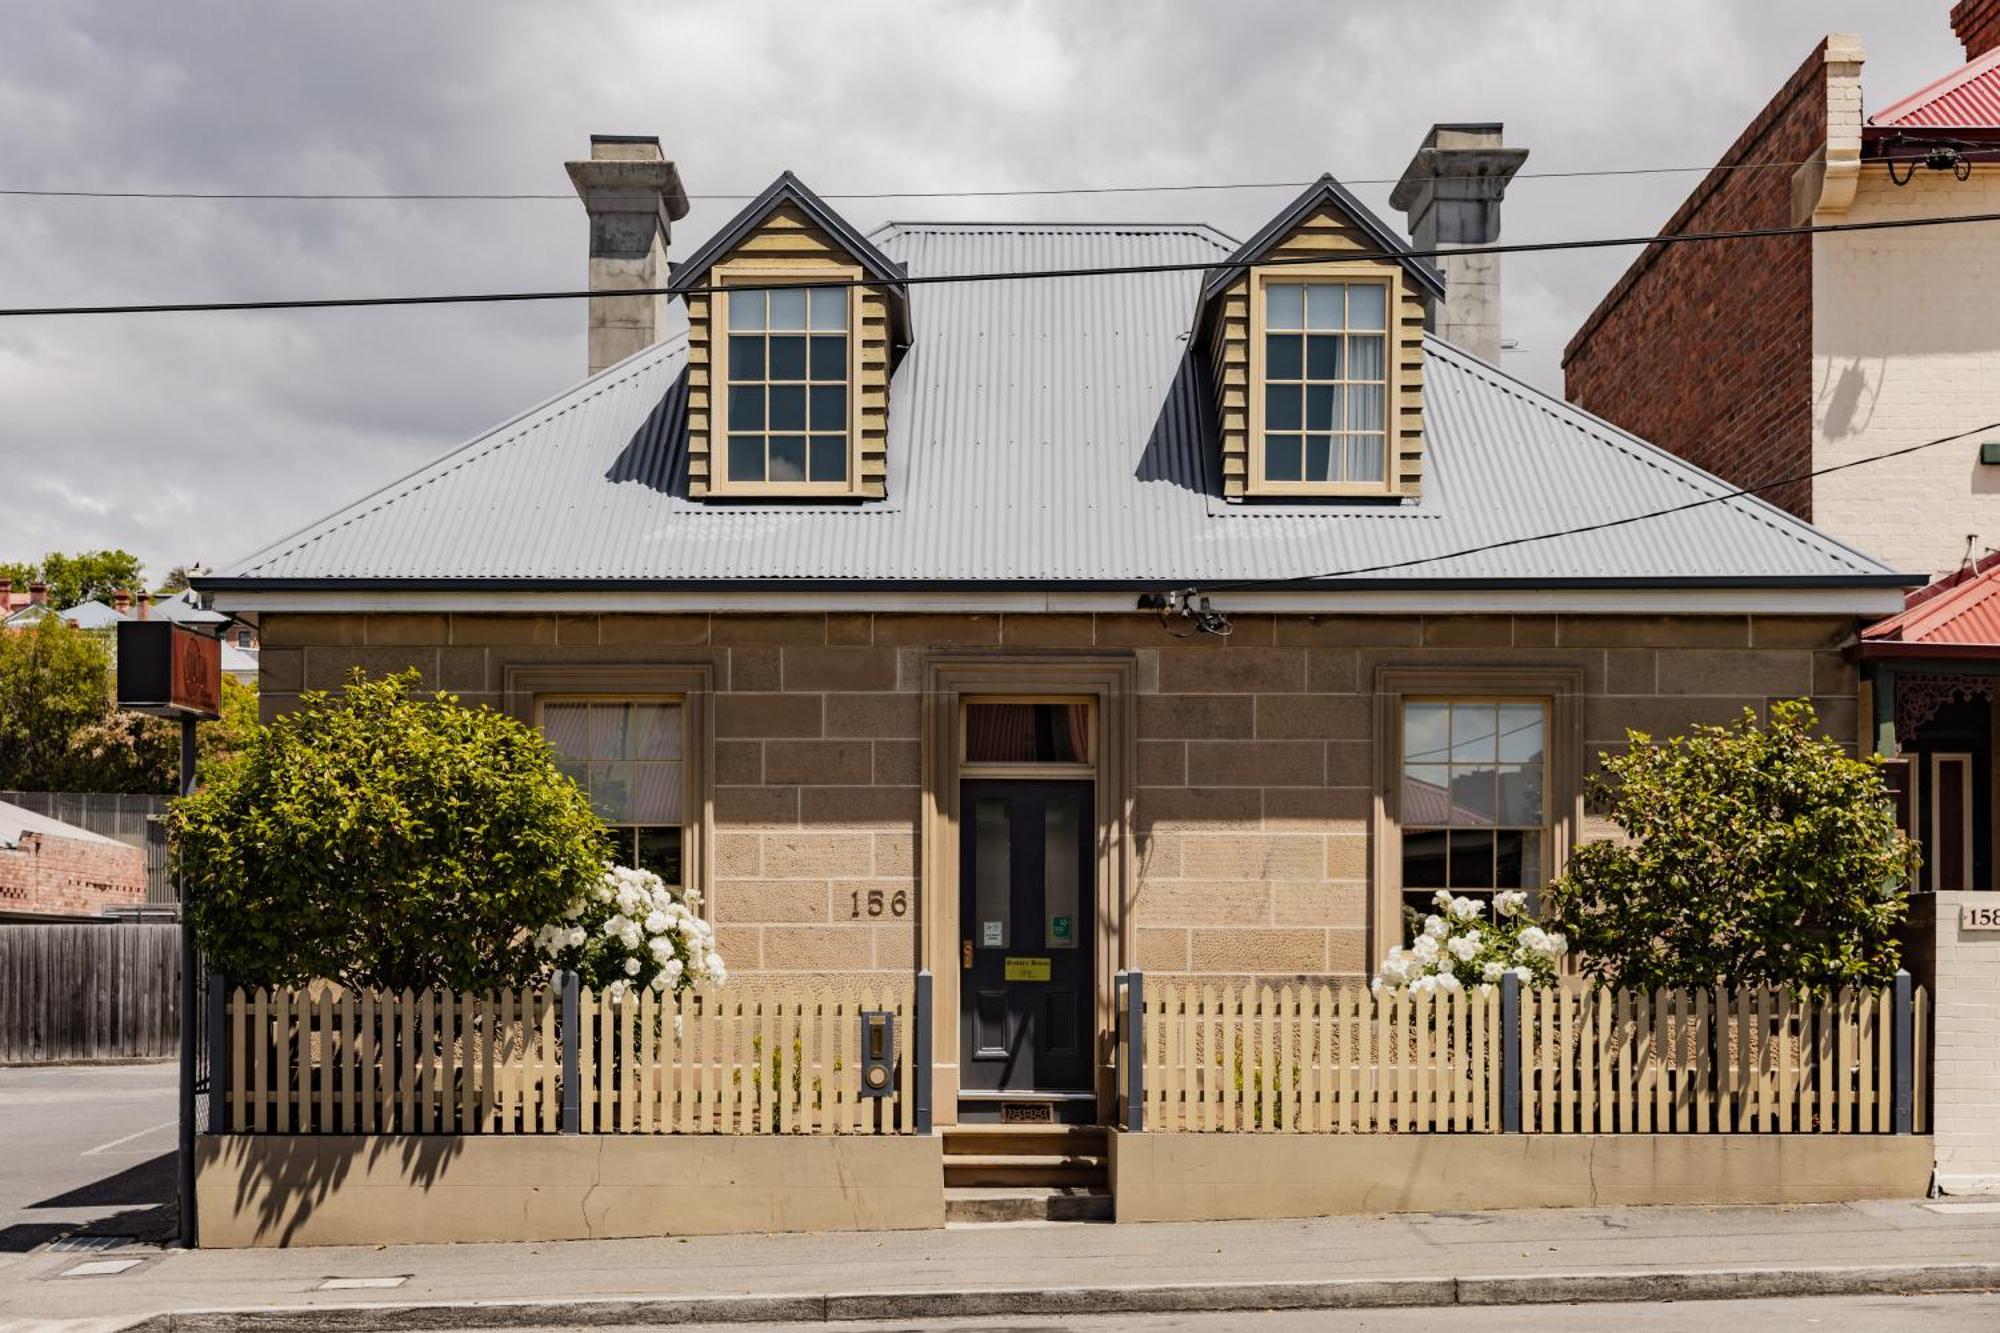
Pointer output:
897, 903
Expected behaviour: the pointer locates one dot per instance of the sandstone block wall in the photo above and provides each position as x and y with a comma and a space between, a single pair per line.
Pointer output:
1255, 773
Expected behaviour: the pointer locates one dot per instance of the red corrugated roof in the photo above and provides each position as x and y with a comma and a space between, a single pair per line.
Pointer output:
1966, 98
1961, 610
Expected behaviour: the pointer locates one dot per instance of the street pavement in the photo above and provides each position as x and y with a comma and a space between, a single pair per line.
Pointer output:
84, 1147
1878, 1314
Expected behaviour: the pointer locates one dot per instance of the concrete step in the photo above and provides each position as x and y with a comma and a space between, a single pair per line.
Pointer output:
1036, 1169
1016, 1204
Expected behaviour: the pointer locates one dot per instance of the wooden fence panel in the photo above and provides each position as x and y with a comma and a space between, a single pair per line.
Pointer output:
89, 991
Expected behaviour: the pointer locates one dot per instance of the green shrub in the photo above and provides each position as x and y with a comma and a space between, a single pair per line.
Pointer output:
1757, 855
385, 838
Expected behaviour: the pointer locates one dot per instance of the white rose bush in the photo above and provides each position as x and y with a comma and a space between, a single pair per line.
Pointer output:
632, 931
1460, 949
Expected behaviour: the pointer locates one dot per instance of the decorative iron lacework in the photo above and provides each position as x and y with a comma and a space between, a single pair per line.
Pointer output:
1919, 698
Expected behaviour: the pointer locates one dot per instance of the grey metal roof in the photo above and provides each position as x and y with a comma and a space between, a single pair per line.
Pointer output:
1051, 432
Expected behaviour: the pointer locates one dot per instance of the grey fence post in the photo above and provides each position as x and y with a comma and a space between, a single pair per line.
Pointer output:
1905, 1054
568, 1028
1510, 1054
1135, 1051
218, 1054
920, 1049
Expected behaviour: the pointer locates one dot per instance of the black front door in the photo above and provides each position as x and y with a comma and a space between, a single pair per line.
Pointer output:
1026, 896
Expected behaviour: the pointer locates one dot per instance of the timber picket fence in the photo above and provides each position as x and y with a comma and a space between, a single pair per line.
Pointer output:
1236, 1057
750, 1059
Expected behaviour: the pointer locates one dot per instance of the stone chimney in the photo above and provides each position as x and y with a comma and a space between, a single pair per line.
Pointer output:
1451, 192
121, 601
1977, 23
633, 195
38, 593
145, 604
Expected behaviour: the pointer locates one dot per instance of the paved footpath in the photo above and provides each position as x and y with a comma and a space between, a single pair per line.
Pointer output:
1430, 1259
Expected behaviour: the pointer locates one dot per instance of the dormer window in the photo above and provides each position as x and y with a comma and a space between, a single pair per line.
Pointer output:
786, 406
795, 324
1326, 384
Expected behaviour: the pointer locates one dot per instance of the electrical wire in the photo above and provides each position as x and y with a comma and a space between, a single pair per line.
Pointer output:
1021, 275
1024, 192
1188, 594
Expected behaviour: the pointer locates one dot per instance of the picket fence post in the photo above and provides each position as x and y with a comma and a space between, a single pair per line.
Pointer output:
1135, 1051
219, 1090
567, 1030
920, 1048
1904, 1052
1510, 1053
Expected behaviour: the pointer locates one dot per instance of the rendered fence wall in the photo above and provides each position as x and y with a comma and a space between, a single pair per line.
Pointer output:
1573, 1058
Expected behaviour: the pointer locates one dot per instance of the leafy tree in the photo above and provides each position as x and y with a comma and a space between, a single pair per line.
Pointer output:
55, 688
84, 577
1757, 855
385, 838
175, 581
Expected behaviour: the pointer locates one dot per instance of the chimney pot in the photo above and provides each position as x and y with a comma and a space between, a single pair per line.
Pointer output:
1451, 193
633, 196
38, 593
121, 601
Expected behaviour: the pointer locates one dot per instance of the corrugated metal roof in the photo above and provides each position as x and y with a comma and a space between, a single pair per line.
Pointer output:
1962, 609
1966, 98
1053, 432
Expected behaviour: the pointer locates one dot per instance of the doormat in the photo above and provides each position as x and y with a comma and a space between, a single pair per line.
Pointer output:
1027, 1113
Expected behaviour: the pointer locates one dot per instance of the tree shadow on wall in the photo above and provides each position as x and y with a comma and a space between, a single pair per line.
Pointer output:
283, 1179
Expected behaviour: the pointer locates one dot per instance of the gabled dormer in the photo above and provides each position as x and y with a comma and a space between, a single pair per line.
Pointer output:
1317, 356
788, 383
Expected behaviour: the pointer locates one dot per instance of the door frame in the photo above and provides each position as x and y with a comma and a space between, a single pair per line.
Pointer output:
1109, 681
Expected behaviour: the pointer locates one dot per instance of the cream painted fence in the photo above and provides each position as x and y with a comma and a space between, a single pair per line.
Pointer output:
747, 1060
1575, 1058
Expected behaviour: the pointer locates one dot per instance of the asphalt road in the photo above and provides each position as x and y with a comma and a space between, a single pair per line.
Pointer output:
1877, 1314
85, 1147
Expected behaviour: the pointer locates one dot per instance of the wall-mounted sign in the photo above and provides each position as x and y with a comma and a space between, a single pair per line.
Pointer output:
992, 934
169, 669
1027, 969
1979, 918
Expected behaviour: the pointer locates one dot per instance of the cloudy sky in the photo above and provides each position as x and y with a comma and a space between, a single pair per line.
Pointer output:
199, 437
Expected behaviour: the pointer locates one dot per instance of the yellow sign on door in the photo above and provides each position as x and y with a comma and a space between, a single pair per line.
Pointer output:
1027, 969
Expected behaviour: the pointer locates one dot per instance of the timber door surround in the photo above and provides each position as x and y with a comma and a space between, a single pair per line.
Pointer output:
1105, 684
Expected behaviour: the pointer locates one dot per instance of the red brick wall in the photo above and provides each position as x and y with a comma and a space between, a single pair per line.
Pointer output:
1977, 23
1706, 349
52, 876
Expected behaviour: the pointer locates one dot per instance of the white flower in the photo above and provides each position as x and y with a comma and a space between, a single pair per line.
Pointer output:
1510, 903
659, 982
1467, 909
1493, 971
1448, 983
1525, 974
1558, 943
1534, 939
1425, 949
577, 935
631, 936
615, 924
1423, 985
1444, 967
1434, 926
1442, 898
617, 990
631, 967
657, 922
1464, 947
671, 969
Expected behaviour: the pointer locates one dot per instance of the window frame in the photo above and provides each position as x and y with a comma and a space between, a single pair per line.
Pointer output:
1386, 276
525, 686
995, 769
1558, 689
723, 277
542, 702
1403, 825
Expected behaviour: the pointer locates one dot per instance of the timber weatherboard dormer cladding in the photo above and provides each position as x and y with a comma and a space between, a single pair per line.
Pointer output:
788, 236
1325, 223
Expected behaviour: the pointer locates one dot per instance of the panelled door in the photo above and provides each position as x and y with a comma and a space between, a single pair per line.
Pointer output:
1026, 900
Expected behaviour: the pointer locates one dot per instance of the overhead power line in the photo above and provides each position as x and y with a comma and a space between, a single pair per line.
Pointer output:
1188, 595
1021, 275
1023, 192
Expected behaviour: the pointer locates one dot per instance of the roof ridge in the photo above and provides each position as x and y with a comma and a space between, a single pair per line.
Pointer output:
1663, 460
409, 482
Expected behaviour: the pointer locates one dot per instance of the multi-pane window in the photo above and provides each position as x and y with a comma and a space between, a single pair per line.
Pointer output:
628, 757
1474, 809
1325, 382
788, 385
